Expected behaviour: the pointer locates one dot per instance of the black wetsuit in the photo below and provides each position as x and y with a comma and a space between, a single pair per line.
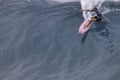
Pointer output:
98, 17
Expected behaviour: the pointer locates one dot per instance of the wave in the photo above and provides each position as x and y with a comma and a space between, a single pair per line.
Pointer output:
40, 41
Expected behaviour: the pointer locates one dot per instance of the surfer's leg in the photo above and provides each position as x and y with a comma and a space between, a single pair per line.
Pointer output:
89, 22
93, 18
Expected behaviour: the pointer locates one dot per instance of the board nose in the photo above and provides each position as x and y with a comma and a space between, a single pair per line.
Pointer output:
80, 32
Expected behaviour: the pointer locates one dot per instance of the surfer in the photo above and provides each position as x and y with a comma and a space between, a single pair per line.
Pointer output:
91, 15
96, 18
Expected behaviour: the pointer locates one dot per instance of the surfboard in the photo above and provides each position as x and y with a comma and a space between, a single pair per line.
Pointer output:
84, 28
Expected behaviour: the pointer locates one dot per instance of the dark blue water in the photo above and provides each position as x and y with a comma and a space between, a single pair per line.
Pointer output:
41, 42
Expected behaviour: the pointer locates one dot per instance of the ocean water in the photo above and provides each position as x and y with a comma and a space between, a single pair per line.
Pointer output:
40, 41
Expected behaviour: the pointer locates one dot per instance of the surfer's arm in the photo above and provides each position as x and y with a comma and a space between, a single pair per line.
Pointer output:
106, 18
87, 10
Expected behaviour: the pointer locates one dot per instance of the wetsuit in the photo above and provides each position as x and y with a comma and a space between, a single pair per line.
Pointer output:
98, 16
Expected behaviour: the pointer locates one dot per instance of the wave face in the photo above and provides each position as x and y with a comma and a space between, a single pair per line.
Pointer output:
39, 41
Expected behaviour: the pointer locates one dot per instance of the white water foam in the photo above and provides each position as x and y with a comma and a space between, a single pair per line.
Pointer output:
89, 4
80, 0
